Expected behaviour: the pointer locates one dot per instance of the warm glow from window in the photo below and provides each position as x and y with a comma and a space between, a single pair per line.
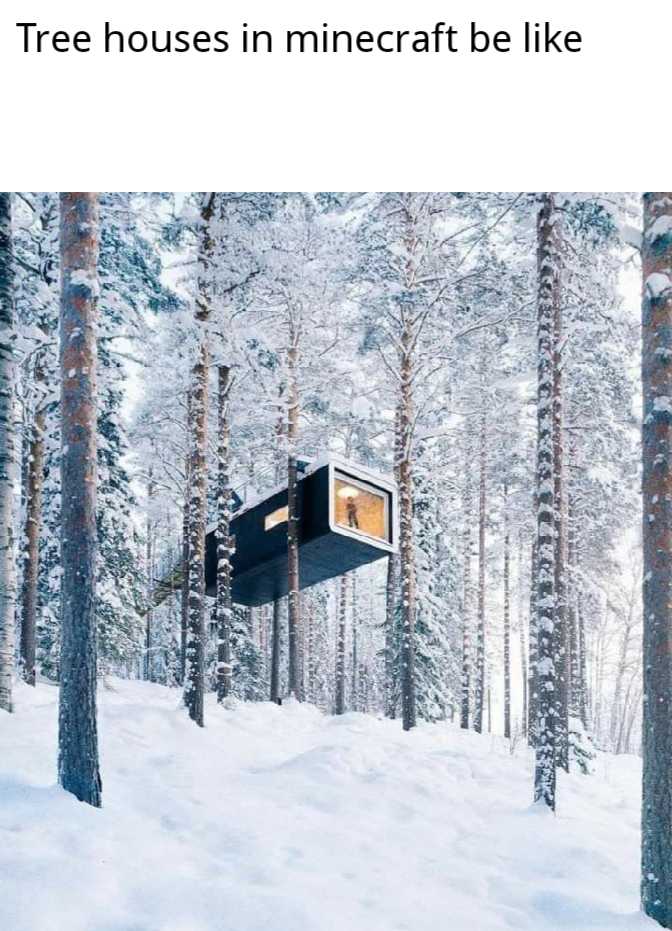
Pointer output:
281, 516
360, 508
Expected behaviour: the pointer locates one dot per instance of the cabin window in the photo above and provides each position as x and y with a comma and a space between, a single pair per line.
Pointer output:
281, 516
361, 508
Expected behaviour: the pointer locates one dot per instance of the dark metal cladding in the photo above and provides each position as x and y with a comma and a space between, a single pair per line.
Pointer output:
260, 560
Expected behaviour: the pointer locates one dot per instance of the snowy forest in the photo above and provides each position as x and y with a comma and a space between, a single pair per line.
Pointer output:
478, 690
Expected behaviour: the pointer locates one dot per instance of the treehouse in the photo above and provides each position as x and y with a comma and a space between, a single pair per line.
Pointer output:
347, 518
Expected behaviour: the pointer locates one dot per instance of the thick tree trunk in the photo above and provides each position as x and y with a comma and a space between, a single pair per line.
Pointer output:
507, 622
339, 689
479, 691
224, 541
548, 297
275, 653
77, 735
7, 453
295, 684
656, 884
467, 596
194, 688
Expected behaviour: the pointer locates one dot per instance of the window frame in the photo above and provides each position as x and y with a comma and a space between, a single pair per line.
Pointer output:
338, 474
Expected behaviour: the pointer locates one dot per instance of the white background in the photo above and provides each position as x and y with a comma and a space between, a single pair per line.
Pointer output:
597, 120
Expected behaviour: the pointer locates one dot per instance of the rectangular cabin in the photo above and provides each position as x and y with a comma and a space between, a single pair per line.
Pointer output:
348, 517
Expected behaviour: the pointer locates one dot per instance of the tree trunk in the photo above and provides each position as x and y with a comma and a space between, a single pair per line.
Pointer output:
275, 654
391, 636
532, 691
656, 885
560, 632
339, 692
521, 630
406, 550
583, 666
295, 684
548, 297
7, 452
184, 588
224, 541
467, 591
194, 688
392, 601
507, 622
149, 558
77, 733
31, 561
479, 692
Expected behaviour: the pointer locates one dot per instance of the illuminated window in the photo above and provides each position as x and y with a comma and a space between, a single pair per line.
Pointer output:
280, 516
360, 507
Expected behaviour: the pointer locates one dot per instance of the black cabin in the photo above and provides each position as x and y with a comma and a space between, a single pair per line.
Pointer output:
347, 518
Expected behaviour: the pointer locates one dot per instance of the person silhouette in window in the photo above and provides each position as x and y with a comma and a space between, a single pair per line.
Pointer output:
351, 511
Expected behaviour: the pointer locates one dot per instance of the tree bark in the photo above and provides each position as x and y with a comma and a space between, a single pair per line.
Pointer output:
392, 601
275, 654
467, 596
184, 588
339, 692
406, 550
560, 632
194, 689
548, 297
656, 883
295, 683
532, 690
391, 636
521, 631
479, 692
149, 559
224, 541
77, 735
7, 452
34, 485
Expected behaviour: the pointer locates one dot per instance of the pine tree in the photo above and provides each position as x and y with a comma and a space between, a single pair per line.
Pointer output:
656, 884
548, 297
7, 446
78, 738
194, 688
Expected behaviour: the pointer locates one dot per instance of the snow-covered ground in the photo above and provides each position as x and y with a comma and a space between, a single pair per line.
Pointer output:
284, 819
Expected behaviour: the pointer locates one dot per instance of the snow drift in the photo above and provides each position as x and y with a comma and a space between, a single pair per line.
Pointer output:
286, 819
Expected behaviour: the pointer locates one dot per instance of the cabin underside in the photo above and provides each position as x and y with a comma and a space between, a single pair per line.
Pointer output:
321, 559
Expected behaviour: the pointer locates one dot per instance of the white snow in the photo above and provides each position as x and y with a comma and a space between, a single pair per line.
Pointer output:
663, 403
657, 284
281, 818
